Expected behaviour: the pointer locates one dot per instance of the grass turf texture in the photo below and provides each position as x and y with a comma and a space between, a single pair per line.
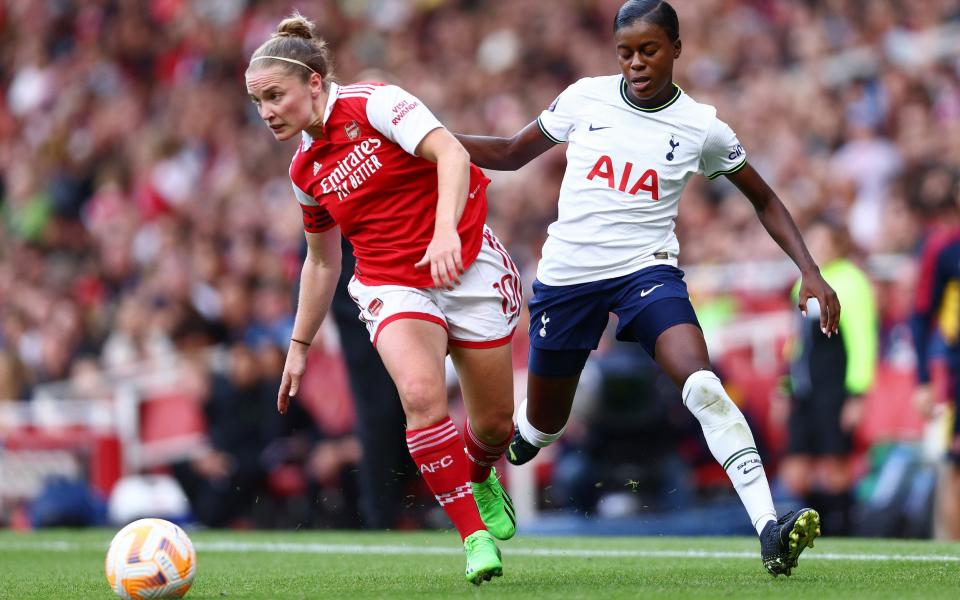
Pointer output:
274, 565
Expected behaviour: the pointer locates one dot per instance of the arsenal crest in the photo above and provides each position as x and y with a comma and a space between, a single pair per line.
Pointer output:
352, 130
374, 307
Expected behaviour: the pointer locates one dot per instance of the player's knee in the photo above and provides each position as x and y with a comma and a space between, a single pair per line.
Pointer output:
704, 396
494, 426
423, 398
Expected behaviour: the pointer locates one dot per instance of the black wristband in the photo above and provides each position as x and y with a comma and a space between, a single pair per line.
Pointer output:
300, 342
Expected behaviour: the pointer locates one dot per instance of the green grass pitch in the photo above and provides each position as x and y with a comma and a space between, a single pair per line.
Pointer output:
275, 565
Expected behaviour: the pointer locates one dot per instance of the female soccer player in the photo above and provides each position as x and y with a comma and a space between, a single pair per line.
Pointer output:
633, 141
374, 165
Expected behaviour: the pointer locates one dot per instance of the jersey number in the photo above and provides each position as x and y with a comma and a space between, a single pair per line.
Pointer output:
647, 182
510, 293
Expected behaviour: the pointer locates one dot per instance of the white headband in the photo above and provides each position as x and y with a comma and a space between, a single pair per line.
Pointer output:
289, 60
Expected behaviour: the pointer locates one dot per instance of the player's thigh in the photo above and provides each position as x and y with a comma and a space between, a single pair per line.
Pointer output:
486, 379
654, 310
566, 324
413, 351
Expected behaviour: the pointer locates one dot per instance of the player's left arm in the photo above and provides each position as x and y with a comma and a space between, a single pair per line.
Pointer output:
453, 179
779, 224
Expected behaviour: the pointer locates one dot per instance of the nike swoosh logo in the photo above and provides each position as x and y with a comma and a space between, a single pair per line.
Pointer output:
753, 468
592, 128
645, 293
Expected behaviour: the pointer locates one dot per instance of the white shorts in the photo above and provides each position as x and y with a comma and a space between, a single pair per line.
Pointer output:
481, 312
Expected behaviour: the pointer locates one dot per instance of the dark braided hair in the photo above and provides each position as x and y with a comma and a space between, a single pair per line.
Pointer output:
658, 12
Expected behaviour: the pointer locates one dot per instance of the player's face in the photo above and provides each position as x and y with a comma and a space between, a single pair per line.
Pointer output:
285, 103
646, 58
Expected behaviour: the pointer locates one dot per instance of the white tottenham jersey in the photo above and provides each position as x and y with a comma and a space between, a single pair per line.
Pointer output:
626, 169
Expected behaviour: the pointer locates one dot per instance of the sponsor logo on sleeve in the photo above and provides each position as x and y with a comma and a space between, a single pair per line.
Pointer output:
735, 152
402, 109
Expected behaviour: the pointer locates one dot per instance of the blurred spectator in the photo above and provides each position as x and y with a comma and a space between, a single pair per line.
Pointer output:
12, 377
312, 461
223, 482
936, 334
829, 376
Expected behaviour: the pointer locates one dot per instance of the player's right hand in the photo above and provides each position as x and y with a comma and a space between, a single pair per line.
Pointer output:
293, 370
444, 259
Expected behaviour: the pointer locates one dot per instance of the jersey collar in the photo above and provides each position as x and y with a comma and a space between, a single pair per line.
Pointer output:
635, 106
332, 95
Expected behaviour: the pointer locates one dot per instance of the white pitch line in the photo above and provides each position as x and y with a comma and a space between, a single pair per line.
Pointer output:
316, 548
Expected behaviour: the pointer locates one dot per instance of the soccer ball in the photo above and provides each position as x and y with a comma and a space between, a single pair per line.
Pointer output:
150, 558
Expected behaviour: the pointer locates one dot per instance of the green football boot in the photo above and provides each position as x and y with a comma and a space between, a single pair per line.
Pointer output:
496, 507
483, 557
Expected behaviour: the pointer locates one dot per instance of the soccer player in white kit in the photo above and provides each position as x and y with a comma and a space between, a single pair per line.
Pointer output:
376, 166
633, 141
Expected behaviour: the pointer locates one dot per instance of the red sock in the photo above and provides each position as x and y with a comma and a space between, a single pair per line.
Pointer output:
438, 452
482, 455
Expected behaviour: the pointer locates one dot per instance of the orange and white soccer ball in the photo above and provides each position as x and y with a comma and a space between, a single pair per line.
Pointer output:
151, 558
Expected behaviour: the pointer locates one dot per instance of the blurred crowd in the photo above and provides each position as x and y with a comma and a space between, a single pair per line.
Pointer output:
146, 211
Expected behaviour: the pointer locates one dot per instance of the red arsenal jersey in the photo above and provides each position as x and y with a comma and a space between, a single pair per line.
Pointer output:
363, 176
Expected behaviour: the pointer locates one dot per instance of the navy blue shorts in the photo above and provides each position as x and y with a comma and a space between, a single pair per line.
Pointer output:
573, 317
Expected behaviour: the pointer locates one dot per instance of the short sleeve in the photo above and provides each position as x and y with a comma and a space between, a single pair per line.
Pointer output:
556, 122
722, 152
400, 116
316, 219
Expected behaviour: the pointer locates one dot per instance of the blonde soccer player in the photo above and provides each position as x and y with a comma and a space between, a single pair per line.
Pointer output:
375, 166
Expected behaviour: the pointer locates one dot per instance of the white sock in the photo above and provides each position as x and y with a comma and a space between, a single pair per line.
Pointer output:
731, 443
531, 433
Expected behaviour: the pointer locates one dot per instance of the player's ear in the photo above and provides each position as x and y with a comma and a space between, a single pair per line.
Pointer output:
316, 84
677, 47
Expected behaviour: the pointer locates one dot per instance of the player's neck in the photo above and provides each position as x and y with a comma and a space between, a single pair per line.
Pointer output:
659, 99
315, 129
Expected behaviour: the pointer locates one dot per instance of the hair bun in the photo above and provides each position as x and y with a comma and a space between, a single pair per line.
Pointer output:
296, 25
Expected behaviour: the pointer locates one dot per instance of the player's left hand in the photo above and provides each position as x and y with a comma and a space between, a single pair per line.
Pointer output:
812, 285
443, 257
293, 370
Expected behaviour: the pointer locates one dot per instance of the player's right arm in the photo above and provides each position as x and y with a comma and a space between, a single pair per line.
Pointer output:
506, 154
552, 127
318, 281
